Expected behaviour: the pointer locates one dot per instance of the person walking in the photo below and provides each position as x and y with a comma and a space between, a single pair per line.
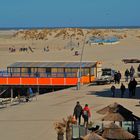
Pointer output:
78, 112
130, 87
134, 84
132, 72
138, 69
115, 77
113, 89
118, 77
127, 74
86, 115
122, 88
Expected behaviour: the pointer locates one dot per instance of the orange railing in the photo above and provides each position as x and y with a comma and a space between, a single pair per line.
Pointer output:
38, 81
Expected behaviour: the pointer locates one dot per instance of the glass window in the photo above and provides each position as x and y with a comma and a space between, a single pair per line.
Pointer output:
92, 71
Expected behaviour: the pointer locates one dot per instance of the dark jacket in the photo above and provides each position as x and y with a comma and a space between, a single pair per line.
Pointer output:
134, 83
127, 73
130, 85
119, 75
78, 110
122, 88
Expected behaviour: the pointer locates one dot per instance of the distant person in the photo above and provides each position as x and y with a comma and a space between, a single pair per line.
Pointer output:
78, 43
138, 69
132, 72
113, 89
134, 84
76, 53
118, 77
78, 112
86, 115
27, 96
115, 77
130, 87
122, 88
127, 74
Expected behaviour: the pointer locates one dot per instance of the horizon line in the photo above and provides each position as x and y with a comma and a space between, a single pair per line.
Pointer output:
51, 27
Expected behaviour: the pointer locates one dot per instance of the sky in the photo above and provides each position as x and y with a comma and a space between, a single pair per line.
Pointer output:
69, 13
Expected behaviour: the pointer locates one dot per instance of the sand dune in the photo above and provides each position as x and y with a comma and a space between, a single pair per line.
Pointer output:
58, 39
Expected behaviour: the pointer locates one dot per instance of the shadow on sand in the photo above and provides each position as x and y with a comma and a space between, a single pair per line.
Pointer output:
108, 93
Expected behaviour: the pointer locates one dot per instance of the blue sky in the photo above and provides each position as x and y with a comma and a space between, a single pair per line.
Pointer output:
56, 13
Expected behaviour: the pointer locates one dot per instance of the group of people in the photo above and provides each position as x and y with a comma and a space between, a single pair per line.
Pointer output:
23, 49
12, 49
46, 49
82, 112
129, 73
131, 85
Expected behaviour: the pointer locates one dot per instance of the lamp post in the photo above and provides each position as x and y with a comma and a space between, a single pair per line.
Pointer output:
80, 65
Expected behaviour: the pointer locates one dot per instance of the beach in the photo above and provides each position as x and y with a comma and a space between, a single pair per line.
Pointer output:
110, 55
34, 120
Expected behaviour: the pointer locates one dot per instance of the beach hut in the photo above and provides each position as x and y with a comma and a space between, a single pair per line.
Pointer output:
113, 131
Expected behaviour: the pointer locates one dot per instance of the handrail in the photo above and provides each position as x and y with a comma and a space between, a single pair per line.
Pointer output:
38, 74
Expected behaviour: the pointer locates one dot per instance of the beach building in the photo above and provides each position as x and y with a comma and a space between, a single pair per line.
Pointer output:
50, 73
103, 40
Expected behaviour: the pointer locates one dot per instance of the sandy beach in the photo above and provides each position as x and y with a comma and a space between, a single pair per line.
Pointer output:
59, 41
34, 120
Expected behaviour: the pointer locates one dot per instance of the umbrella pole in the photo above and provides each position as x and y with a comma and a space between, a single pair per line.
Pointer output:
102, 125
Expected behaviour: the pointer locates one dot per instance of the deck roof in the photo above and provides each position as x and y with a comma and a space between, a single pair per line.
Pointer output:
52, 64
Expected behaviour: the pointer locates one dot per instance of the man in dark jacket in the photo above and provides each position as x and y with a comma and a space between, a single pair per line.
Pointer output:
127, 74
118, 77
78, 112
130, 88
134, 84
122, 88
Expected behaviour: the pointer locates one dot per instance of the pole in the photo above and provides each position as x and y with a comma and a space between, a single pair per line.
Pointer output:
37, 92
80, 67
11, 94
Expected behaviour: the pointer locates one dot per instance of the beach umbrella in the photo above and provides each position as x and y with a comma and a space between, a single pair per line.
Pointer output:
113, 131
109, 108
92, 136
119, 112
113, 117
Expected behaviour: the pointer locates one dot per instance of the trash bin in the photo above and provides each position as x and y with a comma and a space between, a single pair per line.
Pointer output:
78, 131
75, 132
